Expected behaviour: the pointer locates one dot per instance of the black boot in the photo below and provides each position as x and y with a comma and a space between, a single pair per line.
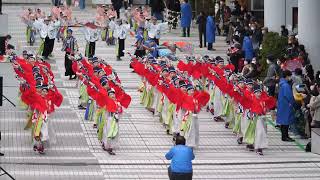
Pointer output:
285, 133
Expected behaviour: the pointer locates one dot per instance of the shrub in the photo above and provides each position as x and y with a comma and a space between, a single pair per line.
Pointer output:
273, 44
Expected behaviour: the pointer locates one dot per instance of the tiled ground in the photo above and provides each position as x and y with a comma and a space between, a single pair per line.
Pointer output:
77, 153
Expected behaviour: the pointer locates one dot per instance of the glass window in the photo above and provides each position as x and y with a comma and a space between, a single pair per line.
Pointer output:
257, 5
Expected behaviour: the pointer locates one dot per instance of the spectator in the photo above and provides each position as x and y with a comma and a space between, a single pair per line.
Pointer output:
247, 47
223, 16
201, 21
211, 31
186, 17
252, 72
300, 95
181, 158
174, 7
235, 53
292, 48
236, 11
284, 31
286, 103
157, 8
256, 38
272, 76
314, 106
246, 68
257, 65
297, 77
309, 75
303, 54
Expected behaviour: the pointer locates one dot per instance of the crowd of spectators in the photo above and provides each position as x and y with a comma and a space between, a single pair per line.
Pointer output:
245, 36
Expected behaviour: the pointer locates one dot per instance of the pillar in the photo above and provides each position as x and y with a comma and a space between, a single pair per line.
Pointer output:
308, 29
274, 14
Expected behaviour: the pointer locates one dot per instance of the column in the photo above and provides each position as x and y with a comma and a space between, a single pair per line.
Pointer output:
274, 14
308, 29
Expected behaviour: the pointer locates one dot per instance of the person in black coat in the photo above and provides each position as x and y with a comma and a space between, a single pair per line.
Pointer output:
202, 21
117, 4
157, 7
174, 9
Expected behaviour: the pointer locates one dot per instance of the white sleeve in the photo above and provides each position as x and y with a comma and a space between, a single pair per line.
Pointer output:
57, 24
38, 24
86, 33
147, 25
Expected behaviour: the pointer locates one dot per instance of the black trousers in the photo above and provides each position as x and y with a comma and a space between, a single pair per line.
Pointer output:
186, 32
284, 131
92, 49
118, 13
126, 5
235, 62
48, 47
140, 53
272, 90
68, 65
202, 34
179, 176
121, 46
0, 6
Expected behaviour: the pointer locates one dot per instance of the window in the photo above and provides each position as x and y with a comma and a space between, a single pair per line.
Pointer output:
257, 5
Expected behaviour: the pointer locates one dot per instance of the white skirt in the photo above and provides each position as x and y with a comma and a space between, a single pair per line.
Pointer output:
192, 136
218, 103
261, 139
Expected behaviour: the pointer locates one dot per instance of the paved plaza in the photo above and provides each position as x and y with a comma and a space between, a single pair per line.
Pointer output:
77, 154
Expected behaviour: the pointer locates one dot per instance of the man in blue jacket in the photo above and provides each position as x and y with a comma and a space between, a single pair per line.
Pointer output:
286, 103
247, 47
186, 17
181, 157
211, 31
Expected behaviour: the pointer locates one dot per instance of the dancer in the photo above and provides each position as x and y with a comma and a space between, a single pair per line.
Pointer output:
70, 46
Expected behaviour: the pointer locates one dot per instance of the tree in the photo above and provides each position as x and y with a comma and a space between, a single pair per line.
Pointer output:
273, 44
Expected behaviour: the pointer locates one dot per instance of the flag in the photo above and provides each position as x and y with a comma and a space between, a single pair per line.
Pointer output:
293, 64
185, 47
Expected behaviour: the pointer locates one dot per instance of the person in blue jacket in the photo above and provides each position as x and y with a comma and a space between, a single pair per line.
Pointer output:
186, 17
285, 104
247, 47
181, 157
210, 31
